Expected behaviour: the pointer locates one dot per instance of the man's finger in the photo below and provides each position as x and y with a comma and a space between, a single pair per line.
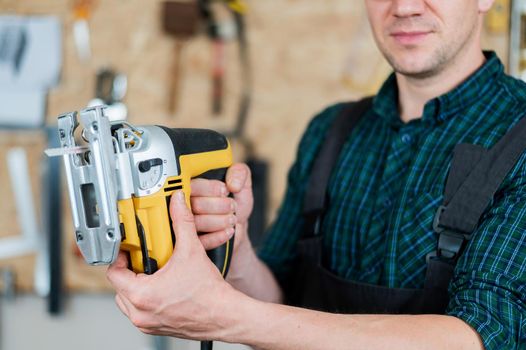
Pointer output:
212, 223
212, 205
208, 188
238, 177
121, 261
216, 239
239, 182
122, 279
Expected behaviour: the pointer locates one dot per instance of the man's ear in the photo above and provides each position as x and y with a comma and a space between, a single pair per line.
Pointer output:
485, 5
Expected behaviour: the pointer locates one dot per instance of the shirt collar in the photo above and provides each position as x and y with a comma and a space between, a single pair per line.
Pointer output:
439, 109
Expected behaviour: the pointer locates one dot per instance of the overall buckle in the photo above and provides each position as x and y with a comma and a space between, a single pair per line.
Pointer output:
313, 221
450, 243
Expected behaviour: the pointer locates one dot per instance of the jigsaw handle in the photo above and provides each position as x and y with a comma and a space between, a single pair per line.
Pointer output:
220, 256
204, 154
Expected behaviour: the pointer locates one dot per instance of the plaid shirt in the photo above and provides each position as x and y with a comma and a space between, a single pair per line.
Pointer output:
387, 185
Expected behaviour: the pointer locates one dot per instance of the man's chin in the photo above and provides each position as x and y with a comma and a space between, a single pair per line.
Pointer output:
422, 73
415, 67
415, 62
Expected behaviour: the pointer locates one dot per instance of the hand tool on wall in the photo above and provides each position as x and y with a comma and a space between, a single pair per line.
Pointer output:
110, 89
218, 32
13, 44
81, 34
30, 64
27, 242
218, 73
218, 54
180, 20
32, 239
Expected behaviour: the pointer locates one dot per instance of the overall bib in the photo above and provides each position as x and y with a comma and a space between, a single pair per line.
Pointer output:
474, 177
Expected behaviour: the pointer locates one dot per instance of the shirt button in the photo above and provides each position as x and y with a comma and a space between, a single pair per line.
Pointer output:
407, 139
387, 202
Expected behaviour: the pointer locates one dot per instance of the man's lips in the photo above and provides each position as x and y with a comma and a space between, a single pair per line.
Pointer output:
410, 38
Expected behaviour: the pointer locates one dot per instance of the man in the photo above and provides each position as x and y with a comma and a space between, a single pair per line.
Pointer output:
377, 235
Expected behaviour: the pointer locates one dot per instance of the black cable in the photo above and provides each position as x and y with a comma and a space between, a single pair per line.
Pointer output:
207, 345
246, 75
245, 100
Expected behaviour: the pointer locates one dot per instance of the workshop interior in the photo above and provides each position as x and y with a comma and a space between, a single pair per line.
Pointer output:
250, 72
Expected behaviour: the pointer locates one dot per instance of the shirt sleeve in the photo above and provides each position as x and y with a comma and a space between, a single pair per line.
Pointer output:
488, 290
278, 250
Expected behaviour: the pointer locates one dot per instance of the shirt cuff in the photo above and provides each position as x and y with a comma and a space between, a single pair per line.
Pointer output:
493, 310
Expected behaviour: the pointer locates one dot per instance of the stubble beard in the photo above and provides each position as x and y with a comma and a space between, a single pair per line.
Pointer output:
436, 63
440, 59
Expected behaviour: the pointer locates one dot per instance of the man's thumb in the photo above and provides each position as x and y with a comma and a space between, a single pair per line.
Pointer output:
182, 221
239, 182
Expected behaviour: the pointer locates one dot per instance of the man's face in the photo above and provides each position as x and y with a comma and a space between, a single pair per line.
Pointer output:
420, 38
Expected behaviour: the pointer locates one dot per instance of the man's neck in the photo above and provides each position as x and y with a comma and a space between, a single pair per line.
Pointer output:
414, 93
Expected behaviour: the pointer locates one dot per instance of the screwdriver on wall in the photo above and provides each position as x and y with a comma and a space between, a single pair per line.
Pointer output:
81, 34
218, 73
180, 20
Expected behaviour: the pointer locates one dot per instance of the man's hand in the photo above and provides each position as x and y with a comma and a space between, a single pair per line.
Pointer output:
216, 214
213, 211
182, 298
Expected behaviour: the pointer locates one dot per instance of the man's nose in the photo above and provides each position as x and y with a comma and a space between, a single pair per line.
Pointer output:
408, 8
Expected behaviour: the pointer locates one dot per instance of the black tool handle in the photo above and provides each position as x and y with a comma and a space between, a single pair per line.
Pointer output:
220, 256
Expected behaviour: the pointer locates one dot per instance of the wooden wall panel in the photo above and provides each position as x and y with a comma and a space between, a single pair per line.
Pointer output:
306, 54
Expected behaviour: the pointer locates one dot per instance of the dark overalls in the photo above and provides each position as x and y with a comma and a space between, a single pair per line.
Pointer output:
474, 177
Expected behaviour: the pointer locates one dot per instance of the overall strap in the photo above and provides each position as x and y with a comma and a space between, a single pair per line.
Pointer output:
315, 200
468, 193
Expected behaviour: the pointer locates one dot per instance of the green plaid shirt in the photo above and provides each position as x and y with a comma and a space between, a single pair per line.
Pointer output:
387, 185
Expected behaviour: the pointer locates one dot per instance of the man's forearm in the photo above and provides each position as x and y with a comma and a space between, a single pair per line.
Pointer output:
251, 276
270, 327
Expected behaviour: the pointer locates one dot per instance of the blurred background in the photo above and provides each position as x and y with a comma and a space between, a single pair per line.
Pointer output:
255, 70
